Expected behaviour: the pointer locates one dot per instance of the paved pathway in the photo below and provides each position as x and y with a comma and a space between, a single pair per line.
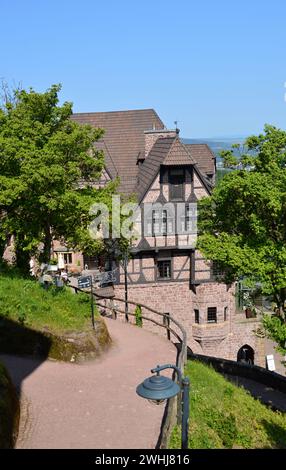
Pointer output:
93, 405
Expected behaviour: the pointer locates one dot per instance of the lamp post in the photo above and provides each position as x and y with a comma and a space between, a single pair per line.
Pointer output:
159, 388
125, 266
116, 251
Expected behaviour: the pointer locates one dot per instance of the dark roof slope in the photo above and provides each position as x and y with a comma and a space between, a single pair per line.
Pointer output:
149, 169
123, 140
204, 157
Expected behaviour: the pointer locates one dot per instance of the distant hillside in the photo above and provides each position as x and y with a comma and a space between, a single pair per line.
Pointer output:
217, 144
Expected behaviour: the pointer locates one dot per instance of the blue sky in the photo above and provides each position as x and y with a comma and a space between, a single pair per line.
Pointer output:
218, 67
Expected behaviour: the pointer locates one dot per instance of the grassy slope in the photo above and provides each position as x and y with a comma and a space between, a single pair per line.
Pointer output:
26, 301
223, 415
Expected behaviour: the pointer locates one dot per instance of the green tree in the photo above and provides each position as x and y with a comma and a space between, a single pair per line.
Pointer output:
243, 223
48, 169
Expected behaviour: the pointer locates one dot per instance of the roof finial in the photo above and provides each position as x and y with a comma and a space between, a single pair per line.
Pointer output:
176, 124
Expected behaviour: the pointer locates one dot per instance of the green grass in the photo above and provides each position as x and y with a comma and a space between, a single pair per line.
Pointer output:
223, 415
26, 302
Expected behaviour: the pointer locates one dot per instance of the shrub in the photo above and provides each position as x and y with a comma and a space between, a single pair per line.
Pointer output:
138, 316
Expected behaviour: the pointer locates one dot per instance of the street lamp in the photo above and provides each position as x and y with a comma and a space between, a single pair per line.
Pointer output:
118, 252
125, 267
159, 388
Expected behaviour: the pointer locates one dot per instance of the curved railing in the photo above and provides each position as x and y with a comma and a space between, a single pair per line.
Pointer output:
167, 322
163, 320
173, 412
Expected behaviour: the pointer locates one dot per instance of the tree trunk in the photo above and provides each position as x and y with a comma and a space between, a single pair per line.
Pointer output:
4, 235
22, 256
47, 244
2, 248
280, 300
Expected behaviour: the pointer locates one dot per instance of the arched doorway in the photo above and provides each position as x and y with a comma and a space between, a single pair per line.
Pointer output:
246, 355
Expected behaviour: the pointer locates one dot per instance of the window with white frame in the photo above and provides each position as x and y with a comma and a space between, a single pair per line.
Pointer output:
188, 218
164, 269
162, 222
212, 315
159, 222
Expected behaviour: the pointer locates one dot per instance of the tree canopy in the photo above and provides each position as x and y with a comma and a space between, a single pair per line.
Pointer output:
243, 223
48, 169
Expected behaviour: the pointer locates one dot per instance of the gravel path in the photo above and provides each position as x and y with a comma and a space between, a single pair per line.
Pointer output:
93, 405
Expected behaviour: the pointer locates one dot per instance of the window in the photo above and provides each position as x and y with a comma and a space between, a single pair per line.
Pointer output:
217, 270
197, 316
164, 269
68, 258
187, 214
159, 222
176, 180
188, 219
212, 315
225, 313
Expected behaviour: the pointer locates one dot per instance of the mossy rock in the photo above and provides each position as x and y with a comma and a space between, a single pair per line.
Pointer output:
77, 347
9, 411
68, 346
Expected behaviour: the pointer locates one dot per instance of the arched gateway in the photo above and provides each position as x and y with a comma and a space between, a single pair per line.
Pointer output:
246, 355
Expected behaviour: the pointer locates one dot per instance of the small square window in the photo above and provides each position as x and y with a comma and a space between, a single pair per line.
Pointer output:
197, 316
164, 269
68, 258
212, 317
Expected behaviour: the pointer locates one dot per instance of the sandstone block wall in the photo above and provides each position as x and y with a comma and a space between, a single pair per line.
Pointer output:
222, 339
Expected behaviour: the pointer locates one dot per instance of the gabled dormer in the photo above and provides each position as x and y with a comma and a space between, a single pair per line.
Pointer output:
170, 173
169, 180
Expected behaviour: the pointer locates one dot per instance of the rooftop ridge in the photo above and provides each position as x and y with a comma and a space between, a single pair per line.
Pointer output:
116, 111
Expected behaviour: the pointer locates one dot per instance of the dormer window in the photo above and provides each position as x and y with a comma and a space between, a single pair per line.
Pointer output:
176, 181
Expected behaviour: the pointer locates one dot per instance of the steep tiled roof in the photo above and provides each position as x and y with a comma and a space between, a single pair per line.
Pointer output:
204, 157
123, 144
178, 155
149, 169
123, 140
165, 151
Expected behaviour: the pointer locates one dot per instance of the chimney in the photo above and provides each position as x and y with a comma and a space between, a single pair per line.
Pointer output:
155, 134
